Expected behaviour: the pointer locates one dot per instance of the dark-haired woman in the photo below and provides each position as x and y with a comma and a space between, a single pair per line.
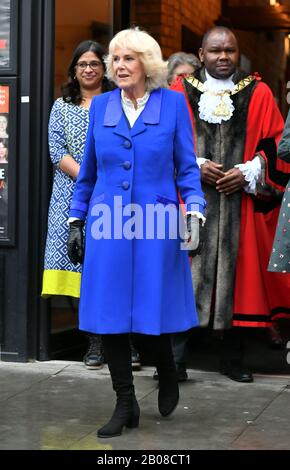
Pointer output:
68, 126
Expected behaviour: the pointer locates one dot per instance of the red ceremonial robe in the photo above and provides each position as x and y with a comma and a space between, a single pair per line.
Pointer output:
259, 296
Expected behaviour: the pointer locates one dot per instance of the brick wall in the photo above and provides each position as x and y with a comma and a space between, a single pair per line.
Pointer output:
266, 52
164, 20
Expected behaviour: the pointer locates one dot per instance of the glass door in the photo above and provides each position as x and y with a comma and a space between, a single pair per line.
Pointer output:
94, 21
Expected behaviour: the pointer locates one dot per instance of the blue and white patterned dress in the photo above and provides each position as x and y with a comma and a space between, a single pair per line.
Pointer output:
67, 134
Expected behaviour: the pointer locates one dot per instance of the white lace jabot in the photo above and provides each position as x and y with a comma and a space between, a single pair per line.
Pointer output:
214, 105
132, 114
211, 105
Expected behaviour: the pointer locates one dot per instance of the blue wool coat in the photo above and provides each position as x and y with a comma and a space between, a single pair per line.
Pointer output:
135, 276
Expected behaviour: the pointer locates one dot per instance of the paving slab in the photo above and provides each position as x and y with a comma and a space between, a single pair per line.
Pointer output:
60, 405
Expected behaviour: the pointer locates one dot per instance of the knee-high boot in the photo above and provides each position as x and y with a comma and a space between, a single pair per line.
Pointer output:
127, 412
168, 395
159, 349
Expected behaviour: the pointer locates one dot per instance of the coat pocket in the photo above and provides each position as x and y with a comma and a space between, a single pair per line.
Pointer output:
166, 201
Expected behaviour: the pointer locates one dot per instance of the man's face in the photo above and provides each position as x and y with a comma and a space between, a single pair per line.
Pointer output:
220, 54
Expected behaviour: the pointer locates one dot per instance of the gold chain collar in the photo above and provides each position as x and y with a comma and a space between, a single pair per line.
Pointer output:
238, 87
222, 110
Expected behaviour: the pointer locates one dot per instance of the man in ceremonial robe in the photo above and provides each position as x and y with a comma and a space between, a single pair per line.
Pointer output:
237, 126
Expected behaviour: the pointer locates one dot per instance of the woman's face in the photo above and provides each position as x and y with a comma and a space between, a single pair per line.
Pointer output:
3, 152
129, 70
180, 70
89, 76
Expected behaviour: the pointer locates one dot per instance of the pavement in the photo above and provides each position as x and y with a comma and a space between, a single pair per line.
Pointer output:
59, 405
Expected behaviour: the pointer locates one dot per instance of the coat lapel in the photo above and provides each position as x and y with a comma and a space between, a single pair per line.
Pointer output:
150, 114
115, 117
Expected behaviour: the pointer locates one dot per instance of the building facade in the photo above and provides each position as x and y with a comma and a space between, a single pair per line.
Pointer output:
36, 41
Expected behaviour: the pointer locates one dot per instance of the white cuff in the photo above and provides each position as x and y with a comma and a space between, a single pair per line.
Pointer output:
200, 161
252, 171
71, 219
197, 214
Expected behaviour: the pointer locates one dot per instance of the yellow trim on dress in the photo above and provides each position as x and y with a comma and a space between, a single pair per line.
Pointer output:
57, 282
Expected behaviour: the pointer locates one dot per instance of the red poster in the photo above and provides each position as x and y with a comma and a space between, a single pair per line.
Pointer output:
3, 44
4, 99
4, 157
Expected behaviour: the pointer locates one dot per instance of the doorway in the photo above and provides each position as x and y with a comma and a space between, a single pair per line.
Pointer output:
77, 21
74, 22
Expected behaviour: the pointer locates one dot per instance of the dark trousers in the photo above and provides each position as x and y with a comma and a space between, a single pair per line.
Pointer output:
232, 345
157, 348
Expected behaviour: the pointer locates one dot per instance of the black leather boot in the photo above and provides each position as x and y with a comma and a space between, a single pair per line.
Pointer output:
159, 350
182, 375
127, 412
168, 395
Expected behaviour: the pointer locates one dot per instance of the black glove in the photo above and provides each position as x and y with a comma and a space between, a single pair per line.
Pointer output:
194, 235
75, 243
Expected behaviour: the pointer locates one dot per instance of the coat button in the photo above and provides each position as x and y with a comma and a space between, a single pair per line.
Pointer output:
127, 165
125, 185
127, 144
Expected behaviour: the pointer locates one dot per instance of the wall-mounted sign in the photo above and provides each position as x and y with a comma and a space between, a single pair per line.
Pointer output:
8, 36
5, 22
7, 159
4, 140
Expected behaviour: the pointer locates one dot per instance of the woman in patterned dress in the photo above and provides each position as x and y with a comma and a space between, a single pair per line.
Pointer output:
67, 131
280, 257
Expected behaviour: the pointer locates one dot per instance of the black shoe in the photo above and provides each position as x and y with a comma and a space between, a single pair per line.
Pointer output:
182, 375
155, 375
94, 357
135, 359
236, 372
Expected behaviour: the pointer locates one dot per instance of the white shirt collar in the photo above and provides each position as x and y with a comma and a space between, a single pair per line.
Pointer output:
140, 101
130, 111
214, 84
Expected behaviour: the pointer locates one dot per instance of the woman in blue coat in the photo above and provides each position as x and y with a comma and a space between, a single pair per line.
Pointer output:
136, 277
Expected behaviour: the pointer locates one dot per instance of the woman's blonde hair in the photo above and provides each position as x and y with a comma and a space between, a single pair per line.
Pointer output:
149, 53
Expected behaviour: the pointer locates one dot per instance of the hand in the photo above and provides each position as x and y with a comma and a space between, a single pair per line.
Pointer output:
211, 172
75, 244
194, 235
232, 182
